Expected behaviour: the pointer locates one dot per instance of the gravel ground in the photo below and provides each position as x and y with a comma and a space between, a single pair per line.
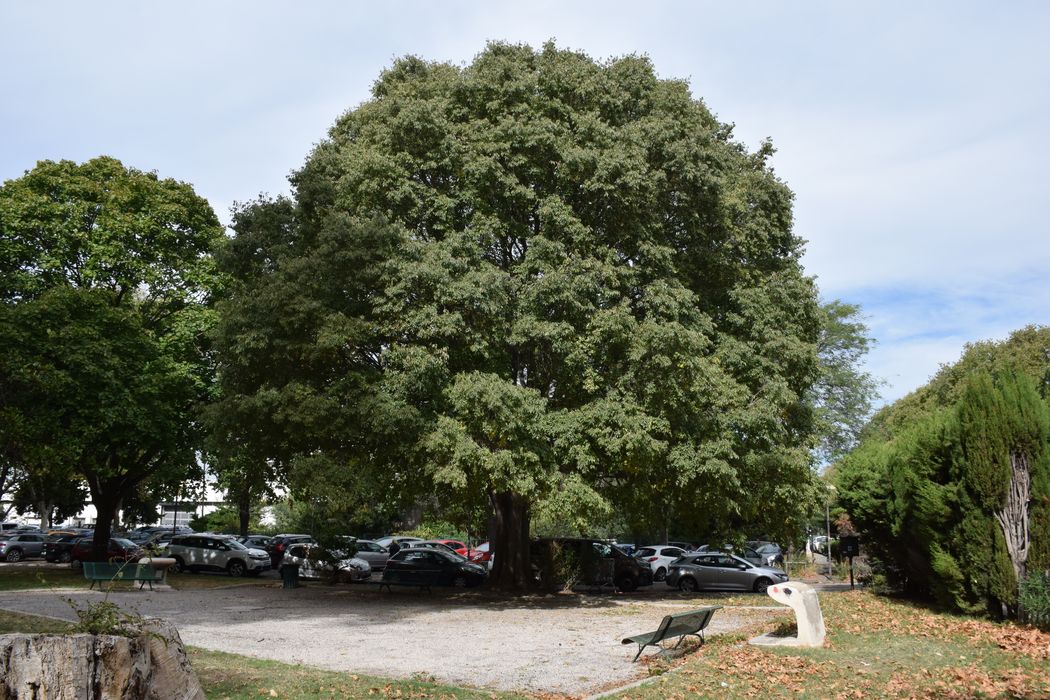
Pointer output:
562, 644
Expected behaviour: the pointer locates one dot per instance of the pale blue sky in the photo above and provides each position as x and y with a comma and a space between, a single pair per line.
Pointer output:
913, 134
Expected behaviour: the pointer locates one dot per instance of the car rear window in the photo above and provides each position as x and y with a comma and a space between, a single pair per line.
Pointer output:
645, 552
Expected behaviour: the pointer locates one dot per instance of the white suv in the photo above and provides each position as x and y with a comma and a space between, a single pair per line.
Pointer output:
195, 553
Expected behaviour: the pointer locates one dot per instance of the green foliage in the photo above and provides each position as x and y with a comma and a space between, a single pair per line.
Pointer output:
435, 529
227, 519
842, 394
1034, 595
536, 275
927, 484
105, 278
105, 617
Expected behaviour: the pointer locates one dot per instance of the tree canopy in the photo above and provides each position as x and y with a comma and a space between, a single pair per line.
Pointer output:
105, 277
534, 281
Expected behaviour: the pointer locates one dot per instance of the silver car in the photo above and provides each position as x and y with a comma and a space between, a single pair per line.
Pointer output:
720, 571
372, 552
20, 546
311, 565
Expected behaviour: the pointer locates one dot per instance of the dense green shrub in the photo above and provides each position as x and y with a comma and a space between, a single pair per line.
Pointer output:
1035, 599
929, 486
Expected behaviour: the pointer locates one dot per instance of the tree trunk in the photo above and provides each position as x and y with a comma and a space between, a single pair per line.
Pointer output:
106, 497
43, 509
1014, 518
511, 567
244, 510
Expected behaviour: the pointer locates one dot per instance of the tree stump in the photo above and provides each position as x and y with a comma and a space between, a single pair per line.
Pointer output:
150, 666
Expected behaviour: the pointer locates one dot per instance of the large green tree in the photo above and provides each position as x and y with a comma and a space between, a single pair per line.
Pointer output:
534, 281
105, 280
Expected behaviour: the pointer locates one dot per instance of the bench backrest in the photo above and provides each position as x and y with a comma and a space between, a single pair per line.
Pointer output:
686, 623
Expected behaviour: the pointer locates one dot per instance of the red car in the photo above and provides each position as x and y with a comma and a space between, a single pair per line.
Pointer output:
119, 549
482, 554
455, 545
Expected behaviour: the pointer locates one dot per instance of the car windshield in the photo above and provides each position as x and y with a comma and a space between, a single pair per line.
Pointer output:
124, 544
234, 544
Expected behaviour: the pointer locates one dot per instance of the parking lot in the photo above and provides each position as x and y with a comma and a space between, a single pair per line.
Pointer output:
556, 643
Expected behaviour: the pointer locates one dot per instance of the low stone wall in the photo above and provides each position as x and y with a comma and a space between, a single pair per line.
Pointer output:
151, 666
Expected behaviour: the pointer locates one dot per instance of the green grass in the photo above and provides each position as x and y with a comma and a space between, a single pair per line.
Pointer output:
18, 577
31, 624
21, 577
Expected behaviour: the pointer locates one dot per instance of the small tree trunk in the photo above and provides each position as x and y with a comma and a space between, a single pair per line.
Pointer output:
1014, 518
511, 569
106, 497
43, 509
244, 510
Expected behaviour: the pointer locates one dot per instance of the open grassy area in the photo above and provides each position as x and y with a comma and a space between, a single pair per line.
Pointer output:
33, 624
877, 647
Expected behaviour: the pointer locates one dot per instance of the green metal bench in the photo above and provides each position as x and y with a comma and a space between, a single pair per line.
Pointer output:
97, 572
681, 625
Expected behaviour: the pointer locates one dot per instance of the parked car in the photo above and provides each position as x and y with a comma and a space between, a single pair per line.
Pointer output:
659, 558
482, 554
766, 554
117, 549
436, 544
315, 562
372, 552
432, 567
19, 546
600, 563
280, 542
256, 541
402, 540
455, 545
721, 571
58, 548
196, 552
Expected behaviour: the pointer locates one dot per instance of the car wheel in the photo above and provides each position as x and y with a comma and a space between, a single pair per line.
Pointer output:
660, 574
460, 581
762, 584
14, 555
236, 568
626, 584
178, 567
64, 558
74, 563
687, 584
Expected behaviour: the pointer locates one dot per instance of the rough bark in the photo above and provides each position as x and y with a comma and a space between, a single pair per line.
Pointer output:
152, 666
1013, 518
511, 567
106, 499
244, 510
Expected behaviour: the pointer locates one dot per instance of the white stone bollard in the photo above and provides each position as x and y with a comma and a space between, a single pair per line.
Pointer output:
810, 621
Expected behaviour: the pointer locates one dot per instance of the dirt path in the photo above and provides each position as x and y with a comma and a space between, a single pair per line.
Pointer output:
556, 644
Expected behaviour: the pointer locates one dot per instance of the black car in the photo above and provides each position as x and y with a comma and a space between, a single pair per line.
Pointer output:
432, 567
279, 543
594, 562
57, 548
